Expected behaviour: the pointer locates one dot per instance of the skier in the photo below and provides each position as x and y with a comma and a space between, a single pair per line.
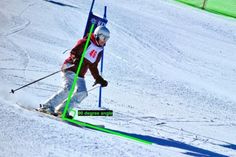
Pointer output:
56, 104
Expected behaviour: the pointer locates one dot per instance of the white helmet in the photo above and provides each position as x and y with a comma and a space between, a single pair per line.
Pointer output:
101, 32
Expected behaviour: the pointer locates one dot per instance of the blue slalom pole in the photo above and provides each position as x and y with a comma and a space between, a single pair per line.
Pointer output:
100, 89
101, 70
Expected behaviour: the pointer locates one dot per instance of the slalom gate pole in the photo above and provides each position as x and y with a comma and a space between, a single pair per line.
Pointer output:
101, 68
100, 89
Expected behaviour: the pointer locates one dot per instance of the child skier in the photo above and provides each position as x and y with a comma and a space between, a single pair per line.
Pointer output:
55, 105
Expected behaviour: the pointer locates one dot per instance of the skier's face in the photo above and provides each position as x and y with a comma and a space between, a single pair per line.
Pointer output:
102, 40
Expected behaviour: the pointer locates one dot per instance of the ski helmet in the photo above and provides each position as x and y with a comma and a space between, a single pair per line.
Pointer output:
102, 33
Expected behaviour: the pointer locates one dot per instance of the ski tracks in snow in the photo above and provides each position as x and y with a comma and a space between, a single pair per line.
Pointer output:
18, 23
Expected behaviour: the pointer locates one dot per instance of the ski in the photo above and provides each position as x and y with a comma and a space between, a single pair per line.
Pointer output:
57, 118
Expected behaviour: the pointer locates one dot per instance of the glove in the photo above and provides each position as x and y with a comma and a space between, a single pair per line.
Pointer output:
101, 81
73, 58
66, 67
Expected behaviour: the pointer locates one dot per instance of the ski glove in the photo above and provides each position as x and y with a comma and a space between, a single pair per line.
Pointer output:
101, 81
66, 67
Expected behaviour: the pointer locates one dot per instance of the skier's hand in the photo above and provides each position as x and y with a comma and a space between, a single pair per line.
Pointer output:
72, 56
101, 81
66, 67
63, 68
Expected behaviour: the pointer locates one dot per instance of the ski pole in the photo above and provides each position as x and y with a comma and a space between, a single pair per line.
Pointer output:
65, 51
93, 88
14, 90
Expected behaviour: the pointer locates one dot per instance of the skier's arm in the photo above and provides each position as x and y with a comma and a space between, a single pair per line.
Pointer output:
77, 51
94, 71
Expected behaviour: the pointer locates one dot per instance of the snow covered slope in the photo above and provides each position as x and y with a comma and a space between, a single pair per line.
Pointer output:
165, 63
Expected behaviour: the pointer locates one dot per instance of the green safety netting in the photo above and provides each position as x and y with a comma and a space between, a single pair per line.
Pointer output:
224, 7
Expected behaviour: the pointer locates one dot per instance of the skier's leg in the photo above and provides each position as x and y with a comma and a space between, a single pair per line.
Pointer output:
81, 88
80, 94
59, 97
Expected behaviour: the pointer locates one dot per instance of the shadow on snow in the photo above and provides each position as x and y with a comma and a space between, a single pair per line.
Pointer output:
61, 4
191, 150
230, 146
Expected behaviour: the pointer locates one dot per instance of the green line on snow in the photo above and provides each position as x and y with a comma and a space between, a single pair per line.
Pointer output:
77, 73
87, 125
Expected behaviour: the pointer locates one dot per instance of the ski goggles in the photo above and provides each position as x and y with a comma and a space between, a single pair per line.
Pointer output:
103, 38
